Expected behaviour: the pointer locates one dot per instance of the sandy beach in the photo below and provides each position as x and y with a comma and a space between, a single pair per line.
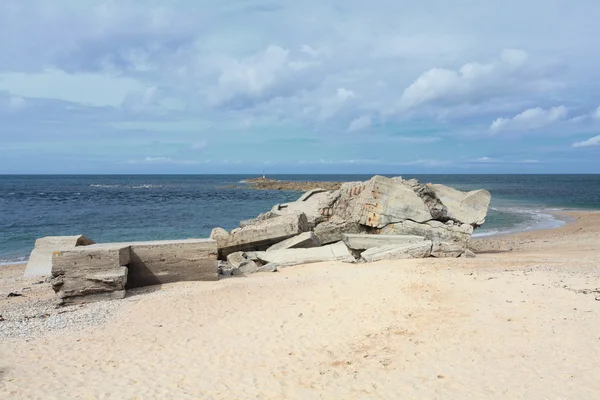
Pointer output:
520, 321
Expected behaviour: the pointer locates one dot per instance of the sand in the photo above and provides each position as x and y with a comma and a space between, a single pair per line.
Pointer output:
520, 321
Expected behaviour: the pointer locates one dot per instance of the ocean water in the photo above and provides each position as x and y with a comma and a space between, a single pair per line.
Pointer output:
150, 207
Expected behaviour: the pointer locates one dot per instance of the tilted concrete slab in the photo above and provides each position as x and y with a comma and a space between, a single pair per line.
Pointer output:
304, 240
40, 260
467, 208
363, 242
262, 235
332, 252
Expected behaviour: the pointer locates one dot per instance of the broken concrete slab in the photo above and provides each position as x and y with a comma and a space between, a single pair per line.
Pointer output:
245, 268
379, 202
365, 241
304, 240
90, 273
236, 259
332, 231
167, 261
310, 193
261, 235
261, 217
432, 230
448, 249
332, 252
40, 260
420, 249
314, 204
467, 208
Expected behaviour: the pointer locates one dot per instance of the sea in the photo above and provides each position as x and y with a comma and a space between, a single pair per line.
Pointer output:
108, 208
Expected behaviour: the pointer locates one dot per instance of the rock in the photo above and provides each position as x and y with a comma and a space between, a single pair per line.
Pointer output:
247, 267
218, 233
363, 242
468, 254
270, 267
224, 268
448, 241
398, 252
432, 230
261, 217
379, 202
40, 260
310, 193
332, 231
261, 235
314, 204
333, 252
236, 259
302, 241
90, 273
467, 208
167, 261
448, 249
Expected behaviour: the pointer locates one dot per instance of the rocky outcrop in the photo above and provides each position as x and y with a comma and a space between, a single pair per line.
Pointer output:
40, 260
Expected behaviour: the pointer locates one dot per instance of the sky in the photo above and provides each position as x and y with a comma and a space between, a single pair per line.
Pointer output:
312, 86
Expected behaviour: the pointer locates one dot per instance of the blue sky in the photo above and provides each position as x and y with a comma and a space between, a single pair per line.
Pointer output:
384, 86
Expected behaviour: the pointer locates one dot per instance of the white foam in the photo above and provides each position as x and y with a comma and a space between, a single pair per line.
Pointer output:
540, 219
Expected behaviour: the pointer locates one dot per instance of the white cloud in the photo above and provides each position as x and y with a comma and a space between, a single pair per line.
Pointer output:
163, 160
360, 123
533, 118
331, 105
596, 114
595, 141
471, 79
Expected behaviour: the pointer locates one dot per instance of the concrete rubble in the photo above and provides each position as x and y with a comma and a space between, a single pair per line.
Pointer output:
382, 218
104, 271
379, 219
40, 260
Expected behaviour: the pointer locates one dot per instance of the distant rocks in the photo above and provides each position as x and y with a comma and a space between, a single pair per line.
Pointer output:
273, 184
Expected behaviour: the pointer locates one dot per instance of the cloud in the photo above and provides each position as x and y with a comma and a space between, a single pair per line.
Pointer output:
360, 124
533, 118
596, 114
162, 160
332, 104
595, 141
470, 80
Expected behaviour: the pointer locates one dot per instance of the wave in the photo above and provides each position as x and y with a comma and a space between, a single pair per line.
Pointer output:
142, 186
13, 261
535, 219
